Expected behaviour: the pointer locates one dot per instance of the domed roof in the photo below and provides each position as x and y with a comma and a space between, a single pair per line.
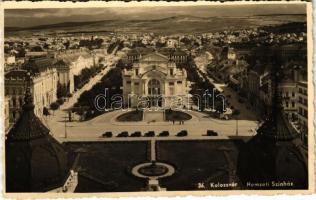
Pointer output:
35, 161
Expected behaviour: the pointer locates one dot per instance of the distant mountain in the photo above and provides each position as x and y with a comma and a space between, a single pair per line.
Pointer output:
169, 25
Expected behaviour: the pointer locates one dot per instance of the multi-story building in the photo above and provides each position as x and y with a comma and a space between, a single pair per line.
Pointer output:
302, 107
155, 78
256, 77
287, 89
43, 86
72, 62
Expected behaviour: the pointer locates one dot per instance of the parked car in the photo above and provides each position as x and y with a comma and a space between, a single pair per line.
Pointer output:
123, 134
107, 134
182, 133
136, 134
164, 134
150, 134
211, 133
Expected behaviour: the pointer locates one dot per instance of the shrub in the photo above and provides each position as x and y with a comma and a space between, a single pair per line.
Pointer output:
60, 101
54, 106
236, 112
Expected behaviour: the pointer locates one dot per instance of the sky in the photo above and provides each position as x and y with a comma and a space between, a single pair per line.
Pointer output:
34, 17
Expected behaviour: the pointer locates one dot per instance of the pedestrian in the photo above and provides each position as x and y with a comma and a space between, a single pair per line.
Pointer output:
173, 121
183, 122
179, 122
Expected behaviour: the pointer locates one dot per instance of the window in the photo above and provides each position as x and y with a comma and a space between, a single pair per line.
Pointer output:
179, 82
171, 72
128, 82
305, 102
21, 101
136, 72
136, 83
293, 94
300, 100
293, 104
171, 89
287, 104
171, 83
13, 102
154, 87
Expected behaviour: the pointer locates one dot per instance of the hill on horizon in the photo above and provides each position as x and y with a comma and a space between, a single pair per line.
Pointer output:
169, 25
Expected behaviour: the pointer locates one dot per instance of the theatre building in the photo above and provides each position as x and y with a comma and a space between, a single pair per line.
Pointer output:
155, 80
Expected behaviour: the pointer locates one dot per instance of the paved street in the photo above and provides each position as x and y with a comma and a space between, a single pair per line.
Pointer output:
245, 113
72, 100
60, 115
197, 126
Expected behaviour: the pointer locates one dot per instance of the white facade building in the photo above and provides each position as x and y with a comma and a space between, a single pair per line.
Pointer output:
43, 87
155, 80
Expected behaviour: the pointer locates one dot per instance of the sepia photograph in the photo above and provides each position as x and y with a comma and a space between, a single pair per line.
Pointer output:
158, 97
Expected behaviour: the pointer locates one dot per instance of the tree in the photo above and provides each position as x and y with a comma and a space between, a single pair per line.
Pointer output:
61, 90
54, 106
67, 44
45, 111
37, 48
60, 101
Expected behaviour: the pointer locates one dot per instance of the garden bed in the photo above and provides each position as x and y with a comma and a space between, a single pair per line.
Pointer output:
133, 116
174, 115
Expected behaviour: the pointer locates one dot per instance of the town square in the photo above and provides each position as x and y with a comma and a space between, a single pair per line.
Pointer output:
157, 98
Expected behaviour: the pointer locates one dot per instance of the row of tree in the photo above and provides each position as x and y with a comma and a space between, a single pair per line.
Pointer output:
112, 81
92, 43
112, 46
85, 74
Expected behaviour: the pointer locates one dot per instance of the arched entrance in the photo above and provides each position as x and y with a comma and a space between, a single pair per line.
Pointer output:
154, 92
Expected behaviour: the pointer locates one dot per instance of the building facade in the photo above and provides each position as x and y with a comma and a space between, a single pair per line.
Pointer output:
287, 91
43, 86
155, 81
302, 107
72, 62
